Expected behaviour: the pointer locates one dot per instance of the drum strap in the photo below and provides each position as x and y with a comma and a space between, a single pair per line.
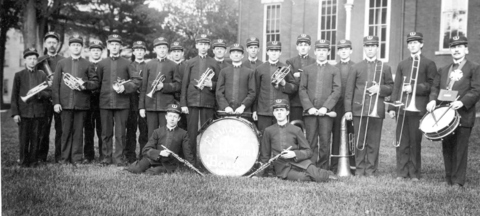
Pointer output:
450, 82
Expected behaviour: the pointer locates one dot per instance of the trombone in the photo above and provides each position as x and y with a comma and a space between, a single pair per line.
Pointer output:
160, 78
374, 112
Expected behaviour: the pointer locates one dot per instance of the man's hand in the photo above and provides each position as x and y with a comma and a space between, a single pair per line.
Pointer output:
57, 108
456, 104
283, 82
297, 74
159, 86
312, 111
185, 110
407, 88
348, 116
229, 110
374, 89
121, 89
164, 153
289, 154
208, 83
142, 113
431, 105
322, 111
392, 114
254, 116
240, 109
49, 82
17, 119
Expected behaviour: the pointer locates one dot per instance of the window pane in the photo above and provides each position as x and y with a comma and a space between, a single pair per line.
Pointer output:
378, 3
383, 36
371, 17
384, 16
370, 30
372, 3
334, 37
384, 3
382, 50
329, 22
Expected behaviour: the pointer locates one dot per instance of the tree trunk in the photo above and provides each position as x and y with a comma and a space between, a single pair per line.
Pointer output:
3, 41
30, 25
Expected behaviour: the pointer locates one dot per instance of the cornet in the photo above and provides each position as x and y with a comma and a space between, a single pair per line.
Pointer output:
35, 90
72, 82
280, 74
208, 74
116, 85
160, 78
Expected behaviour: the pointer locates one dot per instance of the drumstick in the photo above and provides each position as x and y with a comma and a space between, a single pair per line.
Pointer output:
331, 114
449, 107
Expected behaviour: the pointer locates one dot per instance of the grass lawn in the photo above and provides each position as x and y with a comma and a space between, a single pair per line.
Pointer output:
94, 190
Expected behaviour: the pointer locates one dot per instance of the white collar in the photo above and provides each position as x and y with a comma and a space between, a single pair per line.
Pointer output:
252, 59
458, 61
237, 64
322, 63
95, 61
219, 60
345, 61
114, 56
76, 57
29, 69
282, 123
272, 62
178, 62
202, 56
303, 56
171, 128
417, 54
141, 61
161, 59
371, 59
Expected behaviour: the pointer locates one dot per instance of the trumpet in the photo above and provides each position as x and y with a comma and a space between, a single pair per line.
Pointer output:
116, 85
48, 70
35, 90
280, 74
374, 112
72, 82
343, 161
160, 78
208, 74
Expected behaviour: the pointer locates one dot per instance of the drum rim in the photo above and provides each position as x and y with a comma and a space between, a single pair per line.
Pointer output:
446, 131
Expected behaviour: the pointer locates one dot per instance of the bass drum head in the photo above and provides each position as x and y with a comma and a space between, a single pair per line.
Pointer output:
427, 124
228, 147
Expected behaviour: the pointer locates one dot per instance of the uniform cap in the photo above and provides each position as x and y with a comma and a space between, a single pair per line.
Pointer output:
304, 38
139, 45
236, 47
30, 51
281, 103
219, 43
370, 40
53, 35
414, 36
253, 41
174, 108
458, 40
274, 45
96, 44
114, 38
160, 41
75, 38
322, 44
202, 38
176, 46
344, 44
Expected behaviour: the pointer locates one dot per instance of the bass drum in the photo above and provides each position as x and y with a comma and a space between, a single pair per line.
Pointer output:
439, 123
228, 146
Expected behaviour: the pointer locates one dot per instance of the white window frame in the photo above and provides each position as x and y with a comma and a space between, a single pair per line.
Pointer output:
443, 21
264, 43
333, 55
367, 25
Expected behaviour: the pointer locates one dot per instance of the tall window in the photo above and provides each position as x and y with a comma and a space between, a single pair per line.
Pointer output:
272, 24
328, 24
378, 19
453, 21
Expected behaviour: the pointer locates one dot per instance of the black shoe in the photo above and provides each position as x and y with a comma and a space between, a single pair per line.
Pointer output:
122, 164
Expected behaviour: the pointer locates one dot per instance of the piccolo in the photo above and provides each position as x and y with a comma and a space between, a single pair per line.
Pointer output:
264, 166
189, 165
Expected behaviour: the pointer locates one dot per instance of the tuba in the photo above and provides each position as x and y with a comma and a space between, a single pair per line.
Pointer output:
48, 70
208, 74
280, 74
343, 160
116, 85
72, 82
160, 78
35, 90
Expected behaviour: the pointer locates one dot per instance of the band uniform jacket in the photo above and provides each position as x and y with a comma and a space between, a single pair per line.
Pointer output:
180, 70
426, 74
171, 85
320, 86
362, 72
52, 62
175, 140
252, 64
468, 88
236, 86
344, 69
266, 91
73, 99
191, 96
298, 63
23, 81
276, 138
108, 71
135, 96
224, 63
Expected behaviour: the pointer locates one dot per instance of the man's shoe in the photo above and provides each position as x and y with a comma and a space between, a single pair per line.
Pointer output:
415, 179
105, 162
399, 178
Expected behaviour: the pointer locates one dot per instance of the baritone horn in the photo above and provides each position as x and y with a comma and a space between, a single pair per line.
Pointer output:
160, 78
48, 70
72, 82
280, 74
208, 74
35, 90
343, 169
116, 85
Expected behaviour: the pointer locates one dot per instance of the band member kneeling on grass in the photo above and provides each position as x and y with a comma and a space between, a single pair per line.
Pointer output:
156, 160
295, 163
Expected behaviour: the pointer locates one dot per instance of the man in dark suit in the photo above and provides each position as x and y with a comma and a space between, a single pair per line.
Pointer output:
219, 48
252, 60
463, 77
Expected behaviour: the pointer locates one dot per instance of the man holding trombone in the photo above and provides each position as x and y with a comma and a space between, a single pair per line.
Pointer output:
369, 82
413, 79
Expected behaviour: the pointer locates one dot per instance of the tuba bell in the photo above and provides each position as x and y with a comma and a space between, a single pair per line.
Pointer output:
343, 169
48, 70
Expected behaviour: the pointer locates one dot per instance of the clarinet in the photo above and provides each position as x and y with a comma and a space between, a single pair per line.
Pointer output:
264, 166
189, 165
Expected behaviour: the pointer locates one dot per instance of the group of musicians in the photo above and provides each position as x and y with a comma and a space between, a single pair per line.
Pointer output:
118, 96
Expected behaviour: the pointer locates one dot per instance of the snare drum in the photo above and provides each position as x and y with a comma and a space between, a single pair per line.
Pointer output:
228, 146
439, 123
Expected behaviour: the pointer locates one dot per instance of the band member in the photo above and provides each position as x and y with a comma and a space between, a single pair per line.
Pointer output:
298, 63
177, 56
295, 164
30, 115
199, 103
118, 80
267, 91
252, 60
51, 42
236, 85
71, 88
344, 51
408, 135
92, 119
156, 160
219, 49
155, 96
134, 120
361, 99
320, 88
462, 77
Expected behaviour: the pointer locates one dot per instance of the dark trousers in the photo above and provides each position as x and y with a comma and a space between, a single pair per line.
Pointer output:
366, 160
30, 135
409, 162
296, 113
113, 118
150, 167
337, 122
134, 121
319, 128
155, 119
312, 173
45, 142
264, 122
183, 122
197, 116
72, 136
455, 152
92, 124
